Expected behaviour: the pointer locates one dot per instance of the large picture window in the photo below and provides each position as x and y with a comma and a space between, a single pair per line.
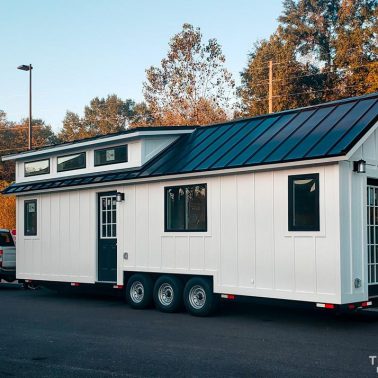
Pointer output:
30, 218
38, 167
304, 202
186, 208
111, 155
71, 162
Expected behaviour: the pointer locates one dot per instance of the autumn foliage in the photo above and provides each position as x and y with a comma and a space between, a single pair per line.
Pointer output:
7, 208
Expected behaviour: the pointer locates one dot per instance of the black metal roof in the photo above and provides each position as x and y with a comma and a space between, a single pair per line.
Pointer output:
321, 131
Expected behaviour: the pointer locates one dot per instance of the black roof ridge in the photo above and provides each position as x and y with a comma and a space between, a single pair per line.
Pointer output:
294, 110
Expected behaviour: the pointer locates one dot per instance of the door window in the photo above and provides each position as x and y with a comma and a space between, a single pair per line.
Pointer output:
108, 217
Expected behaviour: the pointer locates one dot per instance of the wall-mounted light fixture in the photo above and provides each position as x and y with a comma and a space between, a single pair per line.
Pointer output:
359, 166
120, 197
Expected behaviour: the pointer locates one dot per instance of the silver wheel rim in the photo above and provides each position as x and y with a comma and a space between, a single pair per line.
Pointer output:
137, 292
197, 297
165, 294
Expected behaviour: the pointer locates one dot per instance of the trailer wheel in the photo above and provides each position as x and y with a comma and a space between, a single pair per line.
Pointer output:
199, 298
139, 291
168, 293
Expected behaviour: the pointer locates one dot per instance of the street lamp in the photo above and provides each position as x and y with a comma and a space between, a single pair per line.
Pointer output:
29, 68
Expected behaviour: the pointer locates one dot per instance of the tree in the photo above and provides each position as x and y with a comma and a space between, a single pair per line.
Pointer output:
289, 77
102, 116
356, 47
14, 137
338, 35
192, 85
326, 50
7, 208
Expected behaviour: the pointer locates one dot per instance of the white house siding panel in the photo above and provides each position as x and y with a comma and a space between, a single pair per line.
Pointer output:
246, 245
354, 256
229, 227
264, 231
247, 248
64, 248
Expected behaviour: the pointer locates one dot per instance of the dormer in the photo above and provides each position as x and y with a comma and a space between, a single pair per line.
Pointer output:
128, 150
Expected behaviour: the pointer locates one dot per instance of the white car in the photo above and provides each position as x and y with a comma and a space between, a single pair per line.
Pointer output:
7, 256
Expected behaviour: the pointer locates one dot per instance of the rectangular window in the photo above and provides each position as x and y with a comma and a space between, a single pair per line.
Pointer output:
6, 239
30, 218
38, 167
304, 203
186, 208
71, 162
112, 155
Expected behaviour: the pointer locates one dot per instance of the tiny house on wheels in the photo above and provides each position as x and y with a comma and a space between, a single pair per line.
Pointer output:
283, 205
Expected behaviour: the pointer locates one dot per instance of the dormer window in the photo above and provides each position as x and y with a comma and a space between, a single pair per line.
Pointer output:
110, 155
37, 167
71, 162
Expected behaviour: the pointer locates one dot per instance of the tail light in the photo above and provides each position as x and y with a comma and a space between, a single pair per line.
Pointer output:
1, 258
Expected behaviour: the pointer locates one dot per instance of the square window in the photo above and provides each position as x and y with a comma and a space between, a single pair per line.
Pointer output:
186, 208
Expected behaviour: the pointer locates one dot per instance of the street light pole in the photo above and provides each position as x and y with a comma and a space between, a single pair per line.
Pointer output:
29, 68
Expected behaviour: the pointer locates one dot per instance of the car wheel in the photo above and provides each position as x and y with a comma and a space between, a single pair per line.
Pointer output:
199, 298
168, 292
139, 291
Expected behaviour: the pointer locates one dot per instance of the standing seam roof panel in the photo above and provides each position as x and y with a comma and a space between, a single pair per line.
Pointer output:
341, 128
313, 137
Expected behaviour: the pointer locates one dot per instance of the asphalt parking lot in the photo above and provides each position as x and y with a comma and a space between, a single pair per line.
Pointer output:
46, 334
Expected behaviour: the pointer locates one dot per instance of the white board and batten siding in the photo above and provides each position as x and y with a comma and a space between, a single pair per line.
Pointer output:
65, 246
247, 247
353, 219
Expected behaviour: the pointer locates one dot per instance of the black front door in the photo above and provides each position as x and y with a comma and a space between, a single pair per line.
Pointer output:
107, 237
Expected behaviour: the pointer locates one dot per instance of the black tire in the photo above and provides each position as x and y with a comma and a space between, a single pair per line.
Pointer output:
139, 291
168, 292
199, 298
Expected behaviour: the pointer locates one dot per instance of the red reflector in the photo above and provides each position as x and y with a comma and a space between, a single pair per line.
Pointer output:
329, 305
366, 304
351, 306
228, 296
75, 284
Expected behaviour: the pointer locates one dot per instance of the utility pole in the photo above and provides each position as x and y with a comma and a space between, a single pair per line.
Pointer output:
270, 86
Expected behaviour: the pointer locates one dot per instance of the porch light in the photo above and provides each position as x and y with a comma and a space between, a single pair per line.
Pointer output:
120, 197
359, 166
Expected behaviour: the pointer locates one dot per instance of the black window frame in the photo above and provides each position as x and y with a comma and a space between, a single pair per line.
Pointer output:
26, 203
291, 179
71, 169
166, 188
110, 162
36, 174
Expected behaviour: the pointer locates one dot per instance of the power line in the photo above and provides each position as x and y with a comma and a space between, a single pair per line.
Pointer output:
342, 69
258, 99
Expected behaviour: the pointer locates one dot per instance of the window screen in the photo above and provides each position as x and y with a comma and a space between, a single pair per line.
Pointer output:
111, 155
30, 219
39, 167
71, 162
304, 203
186, 208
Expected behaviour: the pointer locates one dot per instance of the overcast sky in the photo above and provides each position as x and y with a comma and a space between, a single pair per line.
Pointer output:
86, 48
